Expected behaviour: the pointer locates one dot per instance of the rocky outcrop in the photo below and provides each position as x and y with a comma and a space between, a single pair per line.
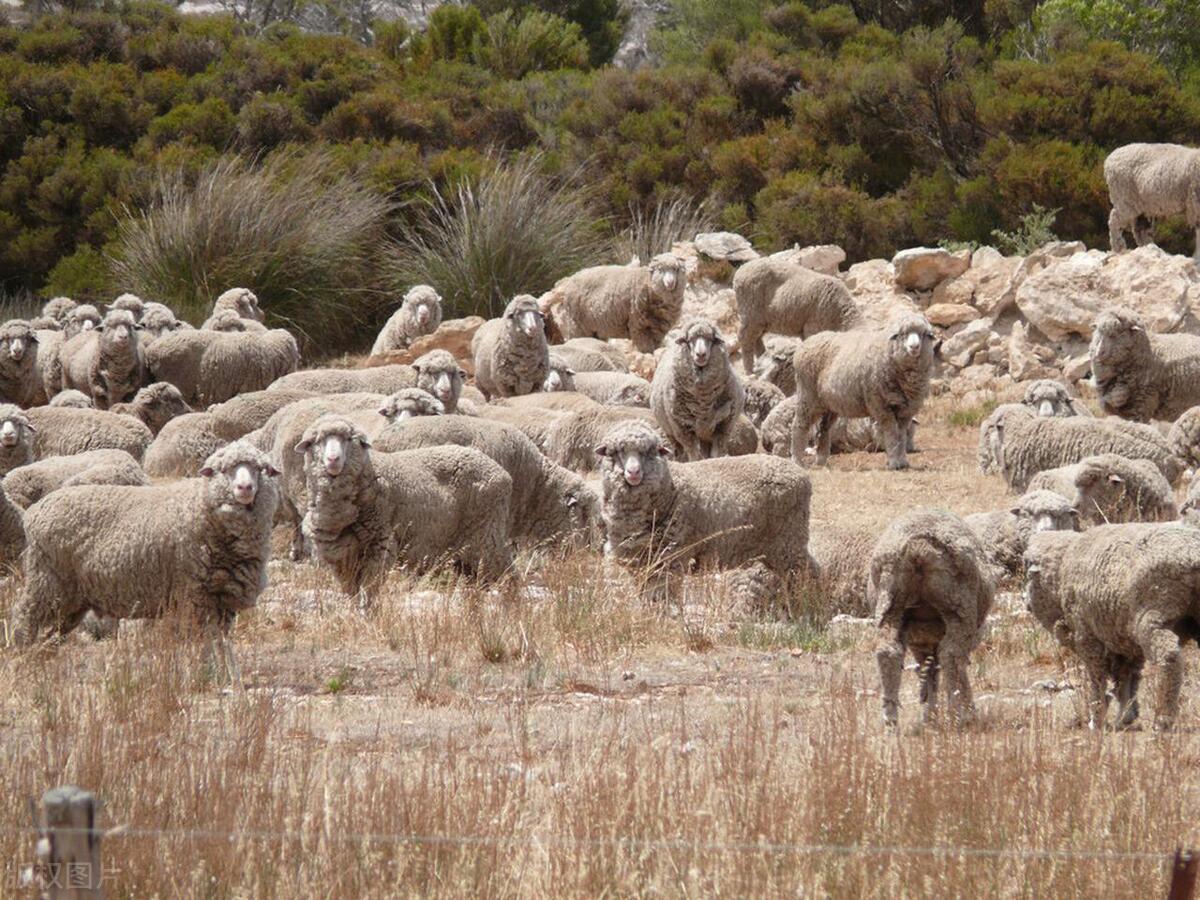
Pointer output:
924, 268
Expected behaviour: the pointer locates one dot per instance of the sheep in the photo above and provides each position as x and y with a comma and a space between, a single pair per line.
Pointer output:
83, 317
1151, 181
30, 483
641, 303
420, 313
774, 294
131, 303
229, 320
1004, 533
58, 308
1017, 444
12, 532
62, 431
571, 440
17, 436
242, 301
549, 503
845, 435
1189, 510
1051, 398
155, 404
42, 323
377, 380
761, 398
106, 362
695, 394
439, 373
197, 548
534, 422
47, 366
181, 447
1119, 596
929, 585
1143, 376
367, 510
1184, 437
158, 319
72, 398
559, 401
511, 354
212, 366
748, 515
1110, 489
410, 403
881, 373
613, 388
559, 375
19, 381
245, 413
591, 355
778, 365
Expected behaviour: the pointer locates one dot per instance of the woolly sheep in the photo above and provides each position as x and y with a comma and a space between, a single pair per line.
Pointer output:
228, 320
845, 435
774, 294
423, 507
1017, 444
761, 398
106, 362
1151, 181
17, 436
245, 413
19, 381
12, 532
30, 483
1004, 533
1120, 596
695, 394
58, 308
559, 375
1143, 376
439, 373
72, 398
748, 515
880, 373
1184, 437
549, 503
197, 548
641, 303
1189, 510
212, 366
182, 446
376, 380
419, 313
778, 365
47, 366
410, 403
1109, 489
511, 354
535, 422
591, 355
131, 303
158, 319
613, 388
62, 430
572, 439
560, 401
929, 586
155, 404
242, 301
83, 317
1051, 398
43, 323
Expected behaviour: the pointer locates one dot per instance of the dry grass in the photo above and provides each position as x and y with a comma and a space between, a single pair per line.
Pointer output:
554, 737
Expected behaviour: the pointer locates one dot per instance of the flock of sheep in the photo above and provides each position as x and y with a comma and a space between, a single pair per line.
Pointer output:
146, 462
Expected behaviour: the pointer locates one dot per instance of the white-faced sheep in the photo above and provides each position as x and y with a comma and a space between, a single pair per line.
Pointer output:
748, 515
1151, 181
58, 308
880, 373
775, 294
1004, 533
571, 440
17, 435
131, 303
1051, 398
439, 373
62, 430
182, 446
411, 403
641, 303
155, 404
929, 585
105, 362
372, 380
29, 484
72, 398
367, 511
419, 313
559, 375
228, 320
19, 375
696, 395
613, 388
511, 354
242, 301
591, 355
158, 319
1143, 376
1120, 596
1109, 489
845, 435
778, 365
83, 317
196, 548
212, 366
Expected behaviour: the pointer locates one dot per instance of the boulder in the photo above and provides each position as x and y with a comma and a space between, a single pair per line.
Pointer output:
924, 268
961, 347
983, 286
718, 304
1026, 360
823, 258
947, 314
453, 335
725, 245
875, 291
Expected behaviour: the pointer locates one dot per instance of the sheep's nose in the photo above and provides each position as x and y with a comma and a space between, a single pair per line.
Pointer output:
529, 324
244, 486
1046, 409
8, 435
553, 382
443, 388
633, 471
88, 326
16, 350
912, 344
423, 315
669, 280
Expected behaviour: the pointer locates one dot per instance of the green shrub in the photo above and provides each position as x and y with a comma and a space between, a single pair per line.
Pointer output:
538, 41
1036, 230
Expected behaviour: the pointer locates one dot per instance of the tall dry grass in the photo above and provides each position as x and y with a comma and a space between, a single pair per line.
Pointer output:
655, 228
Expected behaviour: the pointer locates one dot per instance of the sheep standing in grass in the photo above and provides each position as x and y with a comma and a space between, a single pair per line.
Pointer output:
1143, 376
880, 373
106, 362
16, 438
212, 366
929, 586
1004, 534
420, 313
696, 395
197, 548
1151, 181
747, 515
1051, 398
1110, 489
1120, 596
156, 405
29, 484
641, 303
367, 511
511, 354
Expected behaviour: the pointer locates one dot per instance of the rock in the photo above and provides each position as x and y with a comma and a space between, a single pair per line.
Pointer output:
984, 285
1077, 367
634, 49
1024, 363
976, 377
924, 268
725, 245
824, 258
453, 335
961, 346
874, 289
947, 314
1066, 294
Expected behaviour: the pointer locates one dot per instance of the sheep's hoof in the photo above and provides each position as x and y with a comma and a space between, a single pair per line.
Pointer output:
896, 465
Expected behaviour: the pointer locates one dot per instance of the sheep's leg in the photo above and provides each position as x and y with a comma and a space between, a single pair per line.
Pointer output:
952, 654
825, 437
1096, 670
928, 673
299, 548
493, 556
895, 440
889, 656
1163, 653
750, 340
38, 609
807, 415
1143, 231
1127, 677
1116, 229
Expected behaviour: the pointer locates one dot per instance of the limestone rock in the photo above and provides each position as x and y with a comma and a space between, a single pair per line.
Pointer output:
725, 245
874, 289
984, 285
453, 335
947, 314
1025, 363
961, 347
924, 268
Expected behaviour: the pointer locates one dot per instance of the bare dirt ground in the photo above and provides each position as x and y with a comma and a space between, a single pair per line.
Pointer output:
557, 737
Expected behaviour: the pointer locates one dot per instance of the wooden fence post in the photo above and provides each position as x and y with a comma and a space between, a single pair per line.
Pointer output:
68, 848
1183, 875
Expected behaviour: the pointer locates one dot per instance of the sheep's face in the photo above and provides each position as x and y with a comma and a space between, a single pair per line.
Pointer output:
666, 273
58, 308
162, 402
82, 318
410, 403
158, 320
130, 303
15, 341
118, 329
631, 456
913, 340
560, 377
1041, 511
13, 430
424, 307
438, 373
333, 444
523, 315
1116, 335
1048, 398
702, 342
1098, 488
237, 475
242, 301
1040, 592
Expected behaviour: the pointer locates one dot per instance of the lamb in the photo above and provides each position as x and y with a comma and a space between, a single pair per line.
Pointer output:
1004, 534
106, 362
1017, 444
367, 510
242, 301
72, 398
1110, 489
420, 313
12, 533
613, 388
158, 319
748, 515
197, 548
591, 355
155, 404
571, 440
641, 303
775, 294
376, 380
229, 320
549, 504
931, 591
1151, 181
778, 365
83, 317
245, 413
881, 373
29, 484
761, 398
1051, 398
410, 403
62, 431
182, 446
131, 303
1119, 596
559, 375
58, 308
511, 354
696, 395
1143, 376
439, 373
212, 366
19, 382
17, 436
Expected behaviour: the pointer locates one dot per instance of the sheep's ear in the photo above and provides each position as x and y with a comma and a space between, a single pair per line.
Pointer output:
1135, 327
362, 440
270, 470
386, 410
572, 501
31, 427
681, 340
570, 371
664, 451
138, 326
207, 472
1017, 511
304, 446
601, 450
1115, 479
462, 373
718, 338
32, 338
